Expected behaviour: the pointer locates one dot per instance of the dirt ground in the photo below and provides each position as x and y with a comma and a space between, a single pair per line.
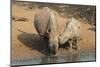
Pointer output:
26, 41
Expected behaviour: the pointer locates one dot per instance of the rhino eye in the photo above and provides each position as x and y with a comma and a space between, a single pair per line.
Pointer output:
49, 30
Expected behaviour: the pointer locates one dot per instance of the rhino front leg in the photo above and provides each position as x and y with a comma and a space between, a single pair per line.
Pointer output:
77, 44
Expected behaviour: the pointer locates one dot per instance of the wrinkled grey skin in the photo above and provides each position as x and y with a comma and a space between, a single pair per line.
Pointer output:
46, 25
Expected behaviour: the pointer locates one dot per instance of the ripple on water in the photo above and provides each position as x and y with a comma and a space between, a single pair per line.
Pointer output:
82, 56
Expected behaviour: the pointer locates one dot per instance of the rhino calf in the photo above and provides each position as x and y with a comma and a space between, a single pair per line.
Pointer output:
71, 34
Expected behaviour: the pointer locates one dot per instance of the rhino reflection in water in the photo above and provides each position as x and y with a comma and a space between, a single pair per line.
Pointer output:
47, 26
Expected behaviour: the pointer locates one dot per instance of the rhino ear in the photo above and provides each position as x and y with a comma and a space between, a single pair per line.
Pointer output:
36, 23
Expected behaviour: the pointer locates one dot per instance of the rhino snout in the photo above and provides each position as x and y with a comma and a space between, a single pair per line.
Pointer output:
53, 48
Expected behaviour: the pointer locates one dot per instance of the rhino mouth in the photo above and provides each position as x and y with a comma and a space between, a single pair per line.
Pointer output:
53, 50
53, 53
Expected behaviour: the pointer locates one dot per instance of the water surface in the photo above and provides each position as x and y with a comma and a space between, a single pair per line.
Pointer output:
77, 57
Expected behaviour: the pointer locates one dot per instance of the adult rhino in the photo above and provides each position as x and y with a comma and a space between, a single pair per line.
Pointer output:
45, 24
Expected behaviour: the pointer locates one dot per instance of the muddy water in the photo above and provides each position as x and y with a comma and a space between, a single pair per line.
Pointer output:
76, 57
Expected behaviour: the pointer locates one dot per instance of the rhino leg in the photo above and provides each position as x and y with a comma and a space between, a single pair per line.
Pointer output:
76, 43
70, 41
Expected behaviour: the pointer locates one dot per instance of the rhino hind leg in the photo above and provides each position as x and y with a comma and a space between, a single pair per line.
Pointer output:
75, 43
70, 41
